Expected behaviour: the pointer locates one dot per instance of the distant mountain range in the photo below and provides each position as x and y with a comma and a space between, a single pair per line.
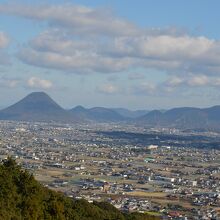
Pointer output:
98, 114
184, 118
38, 106
130, 114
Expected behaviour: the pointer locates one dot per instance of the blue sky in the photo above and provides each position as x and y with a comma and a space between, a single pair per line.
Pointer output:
146, 55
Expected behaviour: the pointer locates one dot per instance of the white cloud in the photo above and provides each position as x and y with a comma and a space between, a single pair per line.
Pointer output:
169, 52
80, 39
175, 81
163, 46
38, 83
32, 82
107, 89
172, 54
198, 81
79, 19
191, 80
177, 85
144, 88
82, 62
4, 40
9, 82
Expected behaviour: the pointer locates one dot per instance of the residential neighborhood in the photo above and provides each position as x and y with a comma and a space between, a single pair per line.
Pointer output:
84, 161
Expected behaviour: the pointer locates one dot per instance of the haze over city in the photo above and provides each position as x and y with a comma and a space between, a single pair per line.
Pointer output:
145, 55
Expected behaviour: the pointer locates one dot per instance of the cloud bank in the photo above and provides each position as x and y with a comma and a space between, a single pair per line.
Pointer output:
4, 42
35, 82
82, 38
86, 40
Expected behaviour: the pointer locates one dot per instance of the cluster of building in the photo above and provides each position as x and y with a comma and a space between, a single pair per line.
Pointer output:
86, 161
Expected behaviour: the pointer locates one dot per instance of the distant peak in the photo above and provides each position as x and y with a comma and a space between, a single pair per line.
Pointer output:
38, 94
78, 108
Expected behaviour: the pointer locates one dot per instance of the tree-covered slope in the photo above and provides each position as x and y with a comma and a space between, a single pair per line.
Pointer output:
22, 197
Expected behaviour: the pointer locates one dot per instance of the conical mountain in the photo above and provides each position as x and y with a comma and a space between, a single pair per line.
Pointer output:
37, 106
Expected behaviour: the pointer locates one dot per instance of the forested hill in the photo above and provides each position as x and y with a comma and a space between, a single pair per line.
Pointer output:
22, 197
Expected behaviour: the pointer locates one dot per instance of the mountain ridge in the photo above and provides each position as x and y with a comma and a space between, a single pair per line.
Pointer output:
38, 106
184, 117
97, 114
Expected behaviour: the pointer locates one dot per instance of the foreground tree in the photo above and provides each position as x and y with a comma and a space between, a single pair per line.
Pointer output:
22, 197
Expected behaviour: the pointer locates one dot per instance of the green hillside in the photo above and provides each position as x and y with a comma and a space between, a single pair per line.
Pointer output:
22, 197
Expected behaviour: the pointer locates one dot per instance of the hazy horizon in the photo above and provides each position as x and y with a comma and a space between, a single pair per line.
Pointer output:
112, 107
